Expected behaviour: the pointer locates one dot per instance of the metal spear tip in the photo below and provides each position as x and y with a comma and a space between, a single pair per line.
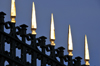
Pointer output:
33, 22
86, 53
52, 31
13, 11
70, 43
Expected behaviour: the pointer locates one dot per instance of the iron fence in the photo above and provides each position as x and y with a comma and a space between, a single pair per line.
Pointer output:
32, 49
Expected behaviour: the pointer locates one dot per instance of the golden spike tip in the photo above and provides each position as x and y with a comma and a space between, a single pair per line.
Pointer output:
86, 58
52, 31
70, 43
33, 22
13, 11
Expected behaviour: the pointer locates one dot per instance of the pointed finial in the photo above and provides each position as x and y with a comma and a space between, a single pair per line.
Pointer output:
33, 22
70, 43
86, 58
13, 11
52, 31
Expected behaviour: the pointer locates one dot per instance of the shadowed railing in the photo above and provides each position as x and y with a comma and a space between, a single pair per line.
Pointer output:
32, 49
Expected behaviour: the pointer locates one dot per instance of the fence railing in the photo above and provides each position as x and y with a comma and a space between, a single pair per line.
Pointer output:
32, 49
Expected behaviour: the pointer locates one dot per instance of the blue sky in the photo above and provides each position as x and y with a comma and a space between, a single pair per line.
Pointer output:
82, 15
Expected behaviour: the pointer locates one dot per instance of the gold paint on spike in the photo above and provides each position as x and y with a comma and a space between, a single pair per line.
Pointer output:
70, 43
33, 22
52, 31
13, 11
86, 53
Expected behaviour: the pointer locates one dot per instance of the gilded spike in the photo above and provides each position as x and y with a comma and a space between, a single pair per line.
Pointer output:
52, 31
70, 43
33, 22
13, 11
86, 58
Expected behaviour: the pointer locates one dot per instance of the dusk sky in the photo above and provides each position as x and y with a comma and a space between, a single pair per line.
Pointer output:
82, 15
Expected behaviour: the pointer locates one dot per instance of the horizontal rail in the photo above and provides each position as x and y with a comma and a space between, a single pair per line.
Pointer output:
13, 60
29, 47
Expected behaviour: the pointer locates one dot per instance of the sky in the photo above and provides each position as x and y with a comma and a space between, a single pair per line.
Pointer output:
82, 15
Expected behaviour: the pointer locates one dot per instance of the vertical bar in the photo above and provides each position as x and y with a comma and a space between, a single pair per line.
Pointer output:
23, 49
52, 54
43, 59
2, 37
70, 61
61, 54
13, 43
34, 55
78, 61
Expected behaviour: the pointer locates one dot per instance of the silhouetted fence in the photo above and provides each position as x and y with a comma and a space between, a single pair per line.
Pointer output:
32, 49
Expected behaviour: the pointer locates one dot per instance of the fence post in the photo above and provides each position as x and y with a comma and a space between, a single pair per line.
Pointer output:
70, 61
23, 49
2, 45
13, 43
61, 54
43, 60
78, 61
34, 55
52, 54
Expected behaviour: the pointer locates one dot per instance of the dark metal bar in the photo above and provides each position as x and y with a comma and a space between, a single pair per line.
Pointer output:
43, 61
34, 55
61, 54
52, 54
77, 61
70, 61
13, 43
11, 59
2, 45
23, 49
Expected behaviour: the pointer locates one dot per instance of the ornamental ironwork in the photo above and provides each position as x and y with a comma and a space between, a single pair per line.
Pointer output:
32, 49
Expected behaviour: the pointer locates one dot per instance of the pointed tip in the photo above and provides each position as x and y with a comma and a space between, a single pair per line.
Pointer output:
70, 43
85, 35
52, 19
51, 14
52, 31
69, 27
33, 20
33, 5
85, 38
86, 53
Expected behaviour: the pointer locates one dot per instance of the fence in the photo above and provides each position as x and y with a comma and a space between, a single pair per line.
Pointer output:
15, 42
